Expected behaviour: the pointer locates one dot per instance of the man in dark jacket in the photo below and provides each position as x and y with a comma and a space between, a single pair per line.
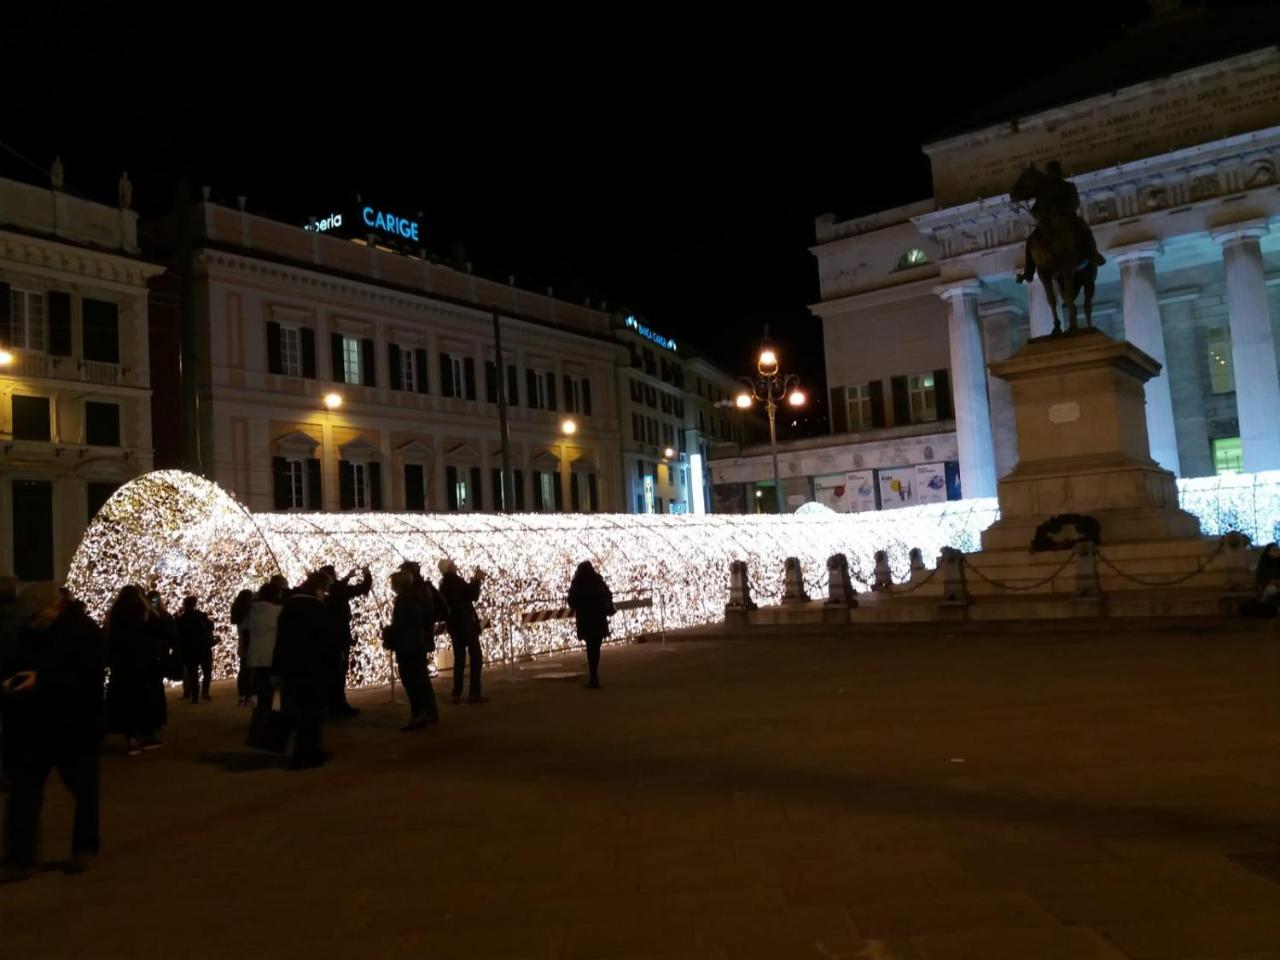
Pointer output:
195, 644
464, 627
51, 688
409, 636
338, 601
303, 660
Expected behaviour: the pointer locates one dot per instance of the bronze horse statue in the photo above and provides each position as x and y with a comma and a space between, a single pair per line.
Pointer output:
1061, 246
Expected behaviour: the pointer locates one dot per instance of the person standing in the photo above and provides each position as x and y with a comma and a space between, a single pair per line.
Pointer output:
239, 617
338, 601
591, 601
136, 641
409, 637
464, 627
303, 660
53, 706
264, 615
196, 642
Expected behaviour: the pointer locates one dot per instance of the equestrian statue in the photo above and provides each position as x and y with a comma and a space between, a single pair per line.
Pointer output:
1061, 246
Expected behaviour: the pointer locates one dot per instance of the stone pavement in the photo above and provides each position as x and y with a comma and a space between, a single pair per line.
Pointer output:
892, 797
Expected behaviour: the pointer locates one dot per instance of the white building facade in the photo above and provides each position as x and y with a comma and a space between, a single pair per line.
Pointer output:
75, 395
675, 406
338, 374
1179, 179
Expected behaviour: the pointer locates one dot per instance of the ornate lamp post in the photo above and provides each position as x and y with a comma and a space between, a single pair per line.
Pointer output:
770, 386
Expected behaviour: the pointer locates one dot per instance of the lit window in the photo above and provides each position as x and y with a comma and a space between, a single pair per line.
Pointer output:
295, 471
26, 316
462, 491
912, 258
459, 383
859, 399
1222, 374
923, 403
407, 379
1228, 457
351, 361
290, 352
360, 486
546, 483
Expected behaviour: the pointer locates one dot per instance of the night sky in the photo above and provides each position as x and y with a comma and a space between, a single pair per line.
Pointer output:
669, 164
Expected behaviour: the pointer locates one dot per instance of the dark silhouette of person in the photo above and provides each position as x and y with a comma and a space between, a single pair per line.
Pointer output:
1266, 578
338, 601
51, 695
304, 663
464, 627
410, 637
196, 642
591, 601
239, 617
139, 635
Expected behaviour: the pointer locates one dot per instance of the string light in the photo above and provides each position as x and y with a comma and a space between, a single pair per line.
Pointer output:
182, 534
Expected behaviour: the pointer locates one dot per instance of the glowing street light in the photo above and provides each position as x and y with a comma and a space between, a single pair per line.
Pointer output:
333, 400
668, 453
769, 387
6, 358
568, 428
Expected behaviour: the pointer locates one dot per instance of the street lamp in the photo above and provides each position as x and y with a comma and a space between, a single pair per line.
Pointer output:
6, 358
333, 400
770, 386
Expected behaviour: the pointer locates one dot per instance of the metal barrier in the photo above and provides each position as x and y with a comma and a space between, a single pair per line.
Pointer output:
640, 601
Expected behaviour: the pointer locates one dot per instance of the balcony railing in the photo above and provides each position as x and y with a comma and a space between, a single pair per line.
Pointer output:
27, 363
94, 371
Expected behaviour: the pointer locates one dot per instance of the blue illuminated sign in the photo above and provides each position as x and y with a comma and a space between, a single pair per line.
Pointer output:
648, 334
331, 222
390, 223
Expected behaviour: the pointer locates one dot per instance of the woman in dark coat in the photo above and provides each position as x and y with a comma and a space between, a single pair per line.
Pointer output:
136, 641
409, 636
240, 620
592, 604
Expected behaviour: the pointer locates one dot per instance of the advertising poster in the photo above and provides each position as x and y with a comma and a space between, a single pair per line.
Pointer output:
898, 488
860, 491
931, 483
832, 492
953, 481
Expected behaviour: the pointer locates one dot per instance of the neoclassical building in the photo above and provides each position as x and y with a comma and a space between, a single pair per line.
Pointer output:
75, 389
1179, 178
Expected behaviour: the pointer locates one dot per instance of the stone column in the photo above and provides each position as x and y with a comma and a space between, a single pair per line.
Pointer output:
969, 385
1253, 348
1143, 328
1038, 309
998, 323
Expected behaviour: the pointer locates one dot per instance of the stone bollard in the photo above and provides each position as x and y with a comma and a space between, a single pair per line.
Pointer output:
793, 582
1087, 586
840, 589
954, 591
916, 559
1236, 565
883, 575
739, 587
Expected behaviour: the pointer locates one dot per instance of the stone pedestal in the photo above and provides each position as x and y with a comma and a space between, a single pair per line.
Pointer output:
1079, 405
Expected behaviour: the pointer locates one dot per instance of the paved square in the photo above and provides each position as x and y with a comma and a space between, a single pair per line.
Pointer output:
888, 797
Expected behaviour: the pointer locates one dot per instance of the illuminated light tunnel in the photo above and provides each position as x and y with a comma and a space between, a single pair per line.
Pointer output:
184, 535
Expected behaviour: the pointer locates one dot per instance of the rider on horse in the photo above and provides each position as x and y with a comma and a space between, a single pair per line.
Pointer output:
1057, 197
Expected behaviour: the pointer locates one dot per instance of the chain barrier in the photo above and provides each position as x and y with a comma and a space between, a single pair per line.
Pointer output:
899, 590
1200, 568
1010, 587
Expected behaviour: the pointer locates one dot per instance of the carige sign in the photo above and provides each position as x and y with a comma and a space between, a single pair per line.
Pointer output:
389, 223
366, 218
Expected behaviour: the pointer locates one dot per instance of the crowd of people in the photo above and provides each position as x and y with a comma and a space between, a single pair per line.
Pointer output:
65, 682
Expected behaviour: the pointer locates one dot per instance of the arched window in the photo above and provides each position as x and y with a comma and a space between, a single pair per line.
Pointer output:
913, 258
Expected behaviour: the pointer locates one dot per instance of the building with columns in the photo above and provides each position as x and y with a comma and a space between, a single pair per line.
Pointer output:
75, 410
1179, 179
